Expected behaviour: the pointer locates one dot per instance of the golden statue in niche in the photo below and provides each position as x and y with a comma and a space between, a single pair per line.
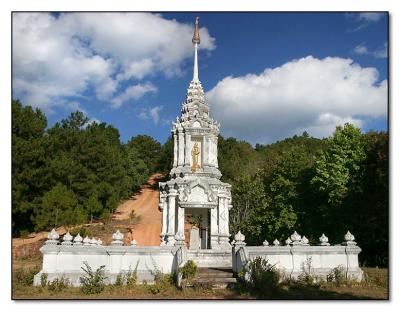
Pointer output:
195, 157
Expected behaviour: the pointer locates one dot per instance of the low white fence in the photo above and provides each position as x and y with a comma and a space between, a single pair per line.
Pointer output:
66, 259
298, 257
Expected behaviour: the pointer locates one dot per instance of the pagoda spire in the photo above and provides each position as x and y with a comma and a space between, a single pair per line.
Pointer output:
196, 42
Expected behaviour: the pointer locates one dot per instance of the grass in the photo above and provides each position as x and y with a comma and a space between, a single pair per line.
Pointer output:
373, 287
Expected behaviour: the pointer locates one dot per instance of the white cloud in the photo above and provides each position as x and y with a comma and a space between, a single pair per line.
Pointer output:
67, 55
306, 94
370, 17
366, 19
134, 92
151, 112
363, 50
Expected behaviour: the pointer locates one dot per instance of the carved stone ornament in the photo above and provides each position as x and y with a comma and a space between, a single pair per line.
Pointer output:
99, 242
265, 243
52, 238
117, 238
276, 242
239, 237
324, 240
93, 241
296, 238
288, 241
86, 241
67, 239
133, 243
305, 241
349, 239
78, 240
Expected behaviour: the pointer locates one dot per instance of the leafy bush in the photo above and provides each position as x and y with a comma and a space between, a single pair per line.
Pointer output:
58, 284
336, 276
263, 277
189, 270
119, 281
307, 278
131, 276
93, 281
162, 282
43, 280
24, 276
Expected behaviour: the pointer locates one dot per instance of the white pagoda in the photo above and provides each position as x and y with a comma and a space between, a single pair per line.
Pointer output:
195, 188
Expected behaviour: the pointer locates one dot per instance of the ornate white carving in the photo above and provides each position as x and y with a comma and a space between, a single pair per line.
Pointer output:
288, 241
304, 241
265, 243
52, 238
349, 239
67, 239
117, 238
324, 240
276, 242
86, 241
239, 237
78, 240
296, 238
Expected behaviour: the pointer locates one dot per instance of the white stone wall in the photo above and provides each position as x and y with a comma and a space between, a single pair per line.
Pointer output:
67, 261
292, 259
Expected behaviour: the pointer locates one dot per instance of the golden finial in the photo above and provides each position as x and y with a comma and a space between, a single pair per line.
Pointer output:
196, 35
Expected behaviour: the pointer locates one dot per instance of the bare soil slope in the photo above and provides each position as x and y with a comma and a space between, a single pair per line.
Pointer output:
145, 205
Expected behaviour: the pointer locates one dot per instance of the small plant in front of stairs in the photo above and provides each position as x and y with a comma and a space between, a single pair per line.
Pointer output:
189, 271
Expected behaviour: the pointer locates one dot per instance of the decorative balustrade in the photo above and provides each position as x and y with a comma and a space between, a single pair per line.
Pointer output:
290, 257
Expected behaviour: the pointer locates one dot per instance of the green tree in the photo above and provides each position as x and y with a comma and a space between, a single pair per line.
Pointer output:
59, 207
148, 149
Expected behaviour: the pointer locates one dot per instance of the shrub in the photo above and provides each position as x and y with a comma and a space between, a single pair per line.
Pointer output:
119, 281
307, 278
263, 277
131, 276
58, 284
189, 270
93, 281
43, 280
24, 276
336, 276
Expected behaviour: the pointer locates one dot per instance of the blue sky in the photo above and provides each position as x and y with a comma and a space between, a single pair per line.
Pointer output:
266, 75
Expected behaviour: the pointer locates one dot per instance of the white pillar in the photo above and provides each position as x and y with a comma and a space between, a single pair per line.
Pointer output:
175, 150
164, 207
187, 149
206, 151
214, 227
171, 216
181, 143
223, 222
181, 221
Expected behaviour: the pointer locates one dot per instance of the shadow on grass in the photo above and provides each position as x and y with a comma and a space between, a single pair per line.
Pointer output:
304, 292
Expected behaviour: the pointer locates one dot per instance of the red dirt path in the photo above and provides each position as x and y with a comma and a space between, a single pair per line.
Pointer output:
145, 204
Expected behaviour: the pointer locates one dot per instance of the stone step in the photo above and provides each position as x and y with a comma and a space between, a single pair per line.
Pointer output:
216, 282
215, 272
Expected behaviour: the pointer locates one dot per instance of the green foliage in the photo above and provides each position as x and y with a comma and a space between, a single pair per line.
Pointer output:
119, 281
74, 171
337, 276
43, 279
189, 270
82, 231
58, 284
307, 278
131, 276
24, 276
263, 277
93, 281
